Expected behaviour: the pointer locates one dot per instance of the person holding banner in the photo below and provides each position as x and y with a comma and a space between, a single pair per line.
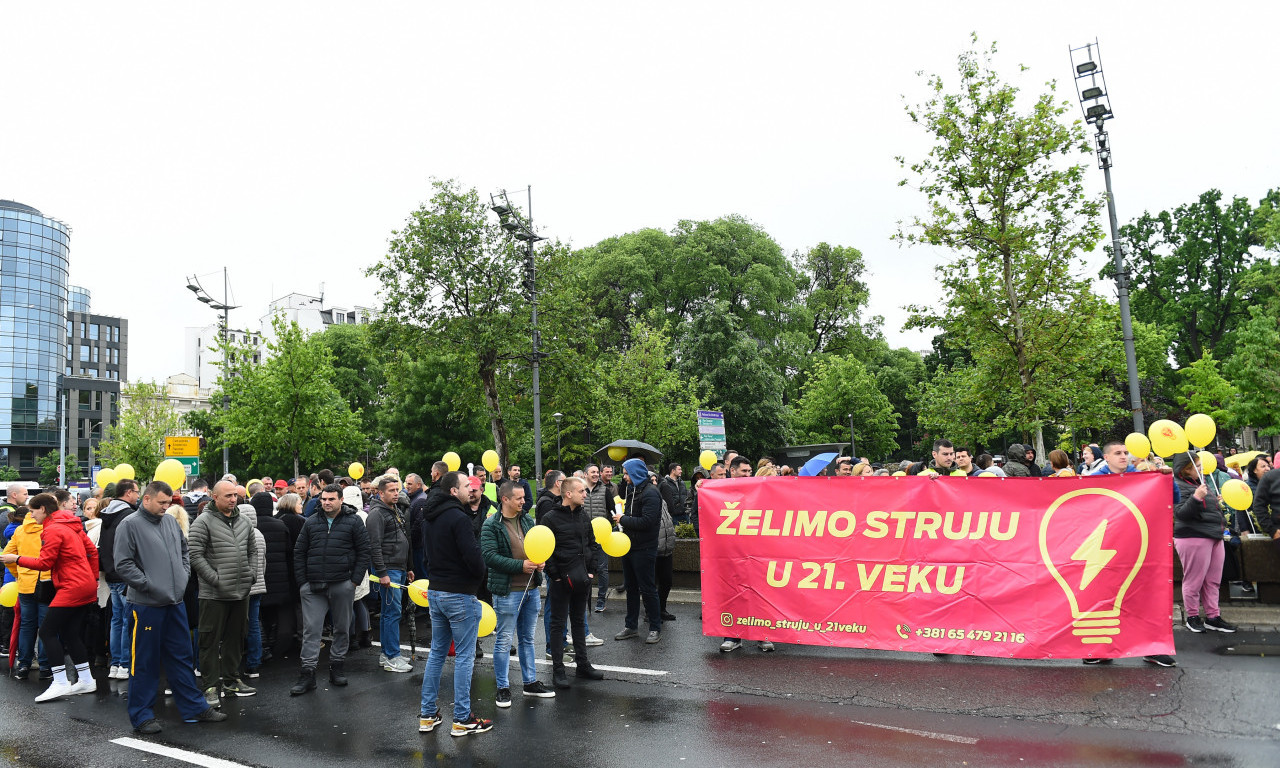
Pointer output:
513, 581
1198, 524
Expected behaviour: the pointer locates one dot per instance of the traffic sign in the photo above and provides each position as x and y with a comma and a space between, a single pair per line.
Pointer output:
190, 463
181, 446
711, 434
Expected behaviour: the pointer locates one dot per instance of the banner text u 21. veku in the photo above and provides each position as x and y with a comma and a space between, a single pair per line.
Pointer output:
1014, 567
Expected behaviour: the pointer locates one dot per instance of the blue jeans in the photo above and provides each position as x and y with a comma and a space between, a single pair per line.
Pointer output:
455, 618
120, 626
389, 628
521, 618
253, 658
32, 616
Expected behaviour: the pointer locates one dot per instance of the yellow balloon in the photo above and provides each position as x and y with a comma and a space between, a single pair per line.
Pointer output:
452, 461
1208, 462
124, 472
617, 454
105, 477
355, 471
707, 459
899, 473
601, 528
1201, 429
617, 545
172, 472
417, 591
1237, 494
489, 460
1138, 444
488, 620
1167, 438
9, 594
539, 543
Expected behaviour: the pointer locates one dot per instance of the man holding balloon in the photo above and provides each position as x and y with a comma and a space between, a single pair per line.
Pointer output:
570, 568
515, 551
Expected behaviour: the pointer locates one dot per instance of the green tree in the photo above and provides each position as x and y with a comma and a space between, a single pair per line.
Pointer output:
900, 375
358, 375
288, 405
1005, 199
841, 386
1187, 267
48, 466
1204, 390
834, 294
137, 439
8, 473
1254, 369
427, 413
737, 380
637, 394
452, 272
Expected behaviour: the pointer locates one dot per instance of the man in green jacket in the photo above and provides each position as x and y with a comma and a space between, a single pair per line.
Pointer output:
513, 580
222, 543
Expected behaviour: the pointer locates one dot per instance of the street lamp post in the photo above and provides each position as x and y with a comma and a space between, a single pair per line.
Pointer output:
520, 227
559, 456
193, 285
1091, 87
853, 447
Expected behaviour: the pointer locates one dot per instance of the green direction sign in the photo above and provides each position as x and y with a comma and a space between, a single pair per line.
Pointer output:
190, 463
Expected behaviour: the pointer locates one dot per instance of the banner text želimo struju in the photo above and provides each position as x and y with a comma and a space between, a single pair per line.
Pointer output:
1014, 567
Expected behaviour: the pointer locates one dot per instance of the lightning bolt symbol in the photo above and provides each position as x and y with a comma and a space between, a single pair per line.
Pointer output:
1094, 556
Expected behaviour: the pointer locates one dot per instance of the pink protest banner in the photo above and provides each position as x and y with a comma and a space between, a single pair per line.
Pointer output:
1014, 567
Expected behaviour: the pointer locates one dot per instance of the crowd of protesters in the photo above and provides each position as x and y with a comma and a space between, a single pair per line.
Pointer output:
208, 586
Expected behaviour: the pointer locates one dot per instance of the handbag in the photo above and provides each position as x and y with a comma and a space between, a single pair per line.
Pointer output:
45, 591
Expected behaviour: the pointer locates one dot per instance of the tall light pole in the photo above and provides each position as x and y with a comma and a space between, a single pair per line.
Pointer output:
853, 446
1091, 87
520, 227
193, 285
559, 456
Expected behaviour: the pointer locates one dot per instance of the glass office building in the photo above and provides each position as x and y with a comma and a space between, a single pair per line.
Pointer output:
33, 344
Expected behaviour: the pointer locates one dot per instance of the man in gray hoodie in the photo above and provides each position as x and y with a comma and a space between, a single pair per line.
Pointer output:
152, 559
388, 530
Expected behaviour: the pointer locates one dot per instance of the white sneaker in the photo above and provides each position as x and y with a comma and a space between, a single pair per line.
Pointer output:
730, 645
766, 646
593, 640
119, 673
396, 664
56, 691
85, 684
111, 673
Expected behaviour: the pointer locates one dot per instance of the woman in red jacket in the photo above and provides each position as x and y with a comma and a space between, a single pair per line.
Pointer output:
67, 552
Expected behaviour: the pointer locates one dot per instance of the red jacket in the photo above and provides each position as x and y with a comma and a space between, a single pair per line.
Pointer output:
68, 552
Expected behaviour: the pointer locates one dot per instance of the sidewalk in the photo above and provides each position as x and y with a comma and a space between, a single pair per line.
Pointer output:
1250, 618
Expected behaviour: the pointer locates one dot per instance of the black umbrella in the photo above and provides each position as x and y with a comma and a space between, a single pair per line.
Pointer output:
635, 449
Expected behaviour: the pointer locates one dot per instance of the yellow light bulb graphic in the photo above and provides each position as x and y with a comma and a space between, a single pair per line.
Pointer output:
1099, 590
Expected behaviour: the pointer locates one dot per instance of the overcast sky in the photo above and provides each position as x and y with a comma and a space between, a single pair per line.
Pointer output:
286, 140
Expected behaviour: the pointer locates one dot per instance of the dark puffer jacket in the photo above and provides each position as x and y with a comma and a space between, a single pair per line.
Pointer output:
1192, 518
327, 554
279, 572
642, 520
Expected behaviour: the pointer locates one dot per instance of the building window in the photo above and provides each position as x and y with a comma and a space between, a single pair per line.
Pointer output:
95, 354
115, 356
93, 331
84, 354
85, 399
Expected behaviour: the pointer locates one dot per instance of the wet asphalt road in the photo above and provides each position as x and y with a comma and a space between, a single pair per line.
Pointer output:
799, 706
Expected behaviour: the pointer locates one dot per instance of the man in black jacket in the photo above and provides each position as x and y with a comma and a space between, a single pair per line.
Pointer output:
123, 505
330, 557
642, 522
569, 571
457, 571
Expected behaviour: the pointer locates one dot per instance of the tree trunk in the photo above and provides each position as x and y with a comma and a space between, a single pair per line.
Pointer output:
496, 424
1039, 444
295, 464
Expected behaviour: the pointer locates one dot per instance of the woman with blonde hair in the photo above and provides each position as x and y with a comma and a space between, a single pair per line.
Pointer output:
767, 470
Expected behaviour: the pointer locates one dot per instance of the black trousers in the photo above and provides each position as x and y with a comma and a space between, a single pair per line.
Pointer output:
565, 601
63, 625
664, 568
638, 568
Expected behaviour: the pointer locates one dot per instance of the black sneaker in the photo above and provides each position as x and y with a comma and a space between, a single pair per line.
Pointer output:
1160, 660
503, 699
1219, 624
46, 674
149, 728
251, 672
1097, 661
1195, 624
238, 687
538, 690
210, 715
21, 671
468, 727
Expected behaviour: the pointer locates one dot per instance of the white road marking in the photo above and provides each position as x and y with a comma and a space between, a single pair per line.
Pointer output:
177, 754
606, 668
926, 734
